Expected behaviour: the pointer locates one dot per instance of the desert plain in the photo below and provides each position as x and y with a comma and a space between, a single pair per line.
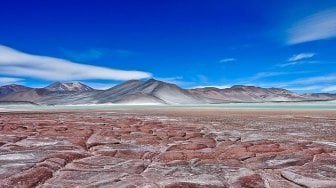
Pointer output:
157, 147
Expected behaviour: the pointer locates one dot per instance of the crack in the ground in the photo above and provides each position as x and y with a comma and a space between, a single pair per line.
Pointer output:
293, 181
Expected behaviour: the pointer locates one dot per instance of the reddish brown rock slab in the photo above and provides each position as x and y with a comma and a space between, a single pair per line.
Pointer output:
171, 156
68, 156
321, 172
209, 142
244, 177
12, 163
35, 141
282, 160
261, 148
8, 169
94, 171
131, 181
201, 181
101, 138
126, 151
186, 155
29, 178
5, 139
194, 173
22, 156
148, 140
232, 135
186, 146
253, 180
308, 181
234, 151
273, 178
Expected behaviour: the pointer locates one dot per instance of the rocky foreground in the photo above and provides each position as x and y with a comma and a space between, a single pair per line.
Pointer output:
168, 148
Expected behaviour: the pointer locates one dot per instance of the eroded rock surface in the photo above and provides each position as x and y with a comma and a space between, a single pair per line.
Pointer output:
168, 148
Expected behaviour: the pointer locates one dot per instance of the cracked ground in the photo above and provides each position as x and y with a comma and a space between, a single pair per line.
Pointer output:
168, 148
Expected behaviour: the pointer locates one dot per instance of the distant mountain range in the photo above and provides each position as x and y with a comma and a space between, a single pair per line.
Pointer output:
149, 92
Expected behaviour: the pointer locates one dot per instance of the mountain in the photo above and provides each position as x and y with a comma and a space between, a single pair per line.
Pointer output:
8, 89
55, 93
150, 91
58, 86
155, 92
240, 93
29, 95
320, 96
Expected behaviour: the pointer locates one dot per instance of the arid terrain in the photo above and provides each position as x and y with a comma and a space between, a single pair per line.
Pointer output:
168, 148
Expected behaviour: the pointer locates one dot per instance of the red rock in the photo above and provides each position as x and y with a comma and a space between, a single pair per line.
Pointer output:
68, 156
193, 134
61, 129
190, 185
209, 142
176, 138
254, 181
187, 146
129, 154
198, 155
235, 152
28, 178
171, 156
150, 140
101, 138
265, 148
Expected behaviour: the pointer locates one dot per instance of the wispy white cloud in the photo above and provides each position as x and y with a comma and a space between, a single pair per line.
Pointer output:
329, 89
323, 83
290, 63
304, 88
319, 26
331, 78
226, 60
307, 81
9, 80
298, 59
298, 63
17, 63
261, 75
301, 56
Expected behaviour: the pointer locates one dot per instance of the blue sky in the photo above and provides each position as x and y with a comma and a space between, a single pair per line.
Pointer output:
192, 43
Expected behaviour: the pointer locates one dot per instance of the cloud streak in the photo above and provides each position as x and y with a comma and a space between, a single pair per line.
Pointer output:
319, 26
298, 59
301, 56
322, 83
315, 80
9, 80
17, 63
226, 60
329, 89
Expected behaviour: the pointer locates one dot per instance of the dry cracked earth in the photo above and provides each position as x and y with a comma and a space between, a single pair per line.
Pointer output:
168, 148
